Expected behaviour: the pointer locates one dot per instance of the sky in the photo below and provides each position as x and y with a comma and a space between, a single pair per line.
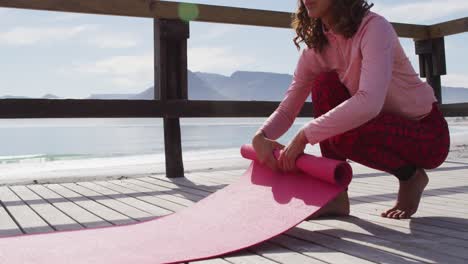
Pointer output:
74, 55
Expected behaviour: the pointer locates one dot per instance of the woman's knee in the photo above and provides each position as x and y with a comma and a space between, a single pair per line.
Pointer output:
327, 92
323, 81
344, 143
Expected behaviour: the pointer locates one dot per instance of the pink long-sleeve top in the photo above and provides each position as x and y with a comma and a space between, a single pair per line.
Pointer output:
374, 68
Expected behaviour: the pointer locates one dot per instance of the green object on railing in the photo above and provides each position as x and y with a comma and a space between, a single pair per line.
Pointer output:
188, 11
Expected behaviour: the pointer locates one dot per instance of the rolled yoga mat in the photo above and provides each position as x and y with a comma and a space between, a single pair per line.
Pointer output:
260, 205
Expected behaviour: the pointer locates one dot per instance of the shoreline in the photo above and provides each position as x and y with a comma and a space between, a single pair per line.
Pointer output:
123, 168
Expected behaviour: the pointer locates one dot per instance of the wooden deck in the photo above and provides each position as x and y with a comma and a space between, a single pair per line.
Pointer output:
438, 233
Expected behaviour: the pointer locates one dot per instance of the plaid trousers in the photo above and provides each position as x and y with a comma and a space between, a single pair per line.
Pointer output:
388, 142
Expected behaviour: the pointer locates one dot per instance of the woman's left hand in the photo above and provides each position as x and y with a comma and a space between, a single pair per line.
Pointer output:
289, 154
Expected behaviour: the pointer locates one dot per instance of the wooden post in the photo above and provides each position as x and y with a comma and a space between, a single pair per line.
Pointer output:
432, 62
170, 61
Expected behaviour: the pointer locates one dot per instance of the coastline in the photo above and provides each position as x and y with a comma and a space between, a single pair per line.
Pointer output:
52, 173
108, 168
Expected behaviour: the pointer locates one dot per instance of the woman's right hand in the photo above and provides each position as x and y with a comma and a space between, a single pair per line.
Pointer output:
264, 148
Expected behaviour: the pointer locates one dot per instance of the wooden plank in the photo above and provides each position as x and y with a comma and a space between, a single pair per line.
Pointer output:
175, 185
281, 254
388, 198
170, 73
326, 255
27, 219
211, 261
437, 198
449, 210
80, 108
8, 226
119, 7
411, 30
452, 110
124, 198
431, 221
407, 242
317, 251
443, 197
266, 249
432, 63
176, 200
170, 10
455, 250
335, 243
352, 239
423, 215
110, 201
74, 108
70, 108
54, 216
143, 194
158, 9
437, 191
109, 215
81, 215
457, 224
246, 257
177, 196
313, 255
216, 180
448, 28
443, 235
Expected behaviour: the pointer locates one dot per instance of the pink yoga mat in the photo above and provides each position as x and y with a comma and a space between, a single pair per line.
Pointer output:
260, 205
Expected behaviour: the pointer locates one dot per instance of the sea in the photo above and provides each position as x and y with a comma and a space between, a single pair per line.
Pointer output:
134, 140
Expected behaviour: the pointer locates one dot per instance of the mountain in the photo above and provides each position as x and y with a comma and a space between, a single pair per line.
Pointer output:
14, 97
264, 86
46, 96
110, 96
241, 86
452, 95
245, 86
50, 96
198, 90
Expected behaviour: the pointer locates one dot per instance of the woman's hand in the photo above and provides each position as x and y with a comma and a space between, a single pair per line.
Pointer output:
264, 148
289, 154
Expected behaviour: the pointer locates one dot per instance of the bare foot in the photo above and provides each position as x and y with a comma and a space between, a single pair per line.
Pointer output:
409, 196
336, 207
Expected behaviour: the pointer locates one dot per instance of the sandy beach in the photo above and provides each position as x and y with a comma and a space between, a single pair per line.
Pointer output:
144, 165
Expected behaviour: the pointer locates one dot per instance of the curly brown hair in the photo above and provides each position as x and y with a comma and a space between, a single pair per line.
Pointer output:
348, 15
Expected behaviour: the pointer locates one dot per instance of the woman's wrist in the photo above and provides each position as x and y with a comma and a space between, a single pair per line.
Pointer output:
259, 135
302, 137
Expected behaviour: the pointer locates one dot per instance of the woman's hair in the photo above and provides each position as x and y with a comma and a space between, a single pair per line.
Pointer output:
347, 16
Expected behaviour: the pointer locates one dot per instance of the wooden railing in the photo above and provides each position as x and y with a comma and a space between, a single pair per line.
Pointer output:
170, 41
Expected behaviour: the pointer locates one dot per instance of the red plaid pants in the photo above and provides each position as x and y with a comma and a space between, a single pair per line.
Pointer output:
388, 142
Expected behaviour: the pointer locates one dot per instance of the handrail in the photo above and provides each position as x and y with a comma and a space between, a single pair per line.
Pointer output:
213, 13
456, 26
175, 108
170, 39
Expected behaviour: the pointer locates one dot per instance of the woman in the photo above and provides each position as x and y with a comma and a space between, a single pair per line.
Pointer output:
370, 106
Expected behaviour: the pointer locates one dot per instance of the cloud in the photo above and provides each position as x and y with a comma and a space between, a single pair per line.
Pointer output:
124, 71
68, 17
217, 60
34, 35
455, 80
136, 71
89, 34
422, 11
113, 40
212, 31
